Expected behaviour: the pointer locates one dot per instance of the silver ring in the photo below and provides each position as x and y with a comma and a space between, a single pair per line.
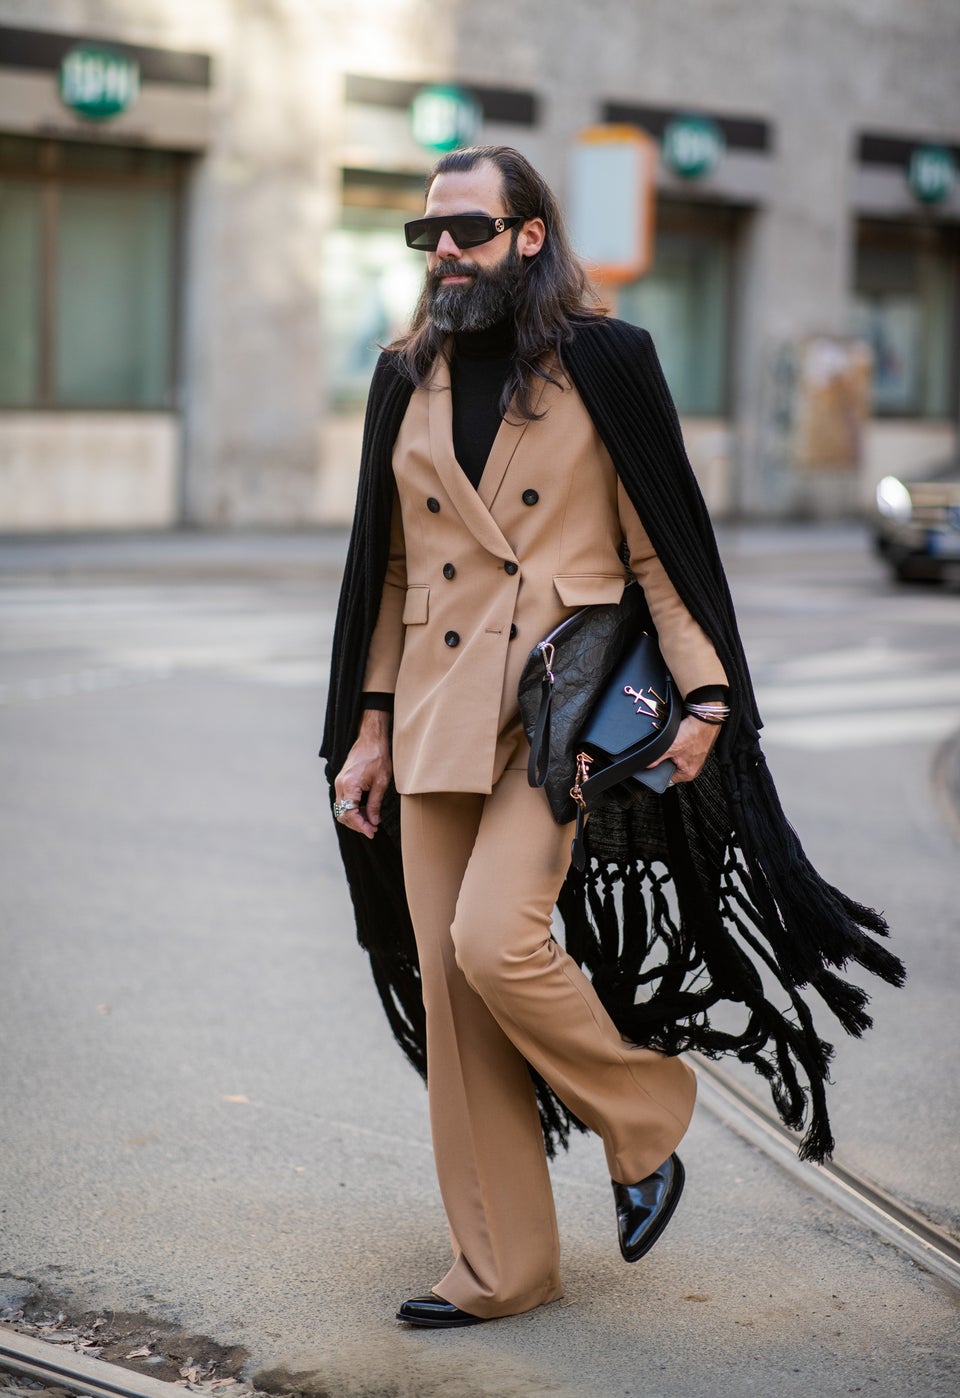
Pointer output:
340, 808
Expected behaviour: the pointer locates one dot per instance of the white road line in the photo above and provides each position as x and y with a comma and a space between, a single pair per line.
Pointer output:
292, 674
81, 682
874, 658
283, 671
906, 691
863, 729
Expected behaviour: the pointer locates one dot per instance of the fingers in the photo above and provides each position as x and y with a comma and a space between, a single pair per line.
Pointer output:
375, 797
690, 750
356, 820
687, 770
356, 817
348, 793
362, 790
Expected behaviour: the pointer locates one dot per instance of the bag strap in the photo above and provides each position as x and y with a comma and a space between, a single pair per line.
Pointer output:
595, 786
538, 763
578, 850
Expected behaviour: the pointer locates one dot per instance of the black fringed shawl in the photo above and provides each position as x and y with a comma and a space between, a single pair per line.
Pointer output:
695, 904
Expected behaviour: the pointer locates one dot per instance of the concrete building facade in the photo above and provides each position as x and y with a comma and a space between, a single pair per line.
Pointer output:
200, 244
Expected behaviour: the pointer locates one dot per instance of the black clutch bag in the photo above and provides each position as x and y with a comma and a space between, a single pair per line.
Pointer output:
598, 705
633, 722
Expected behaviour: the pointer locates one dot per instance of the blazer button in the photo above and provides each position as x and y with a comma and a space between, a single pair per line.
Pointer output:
433, 506
449, 571
451, 639
513, 630
530, 497
511, 568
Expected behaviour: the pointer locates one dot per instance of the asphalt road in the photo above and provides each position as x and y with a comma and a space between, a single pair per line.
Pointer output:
204, 1115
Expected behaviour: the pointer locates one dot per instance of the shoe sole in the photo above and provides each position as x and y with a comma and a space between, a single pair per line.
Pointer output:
666, 1215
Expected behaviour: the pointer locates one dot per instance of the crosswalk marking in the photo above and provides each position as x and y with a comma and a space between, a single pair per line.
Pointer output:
140, 635
838, 731
873, 693
857, 698
285, 672
873, 658
850, 697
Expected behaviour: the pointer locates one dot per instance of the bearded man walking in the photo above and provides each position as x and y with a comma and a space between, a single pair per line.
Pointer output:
519, 447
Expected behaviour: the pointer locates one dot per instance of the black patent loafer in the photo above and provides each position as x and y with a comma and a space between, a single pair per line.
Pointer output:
434, 1312
645, 1209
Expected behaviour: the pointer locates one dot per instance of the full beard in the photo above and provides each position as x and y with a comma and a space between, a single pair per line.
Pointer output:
489, 297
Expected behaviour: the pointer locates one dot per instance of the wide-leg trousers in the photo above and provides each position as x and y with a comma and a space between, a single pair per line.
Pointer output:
482, 874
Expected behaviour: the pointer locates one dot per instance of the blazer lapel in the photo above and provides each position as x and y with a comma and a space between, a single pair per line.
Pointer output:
505, 444
471, 508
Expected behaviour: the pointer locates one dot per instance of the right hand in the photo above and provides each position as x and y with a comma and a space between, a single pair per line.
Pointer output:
367, 771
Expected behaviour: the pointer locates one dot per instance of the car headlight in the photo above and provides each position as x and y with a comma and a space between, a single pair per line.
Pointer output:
893, 499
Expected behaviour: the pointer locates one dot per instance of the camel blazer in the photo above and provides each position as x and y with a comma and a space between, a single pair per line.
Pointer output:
477, 577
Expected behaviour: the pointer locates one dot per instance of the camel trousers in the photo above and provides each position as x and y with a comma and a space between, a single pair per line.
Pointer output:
482, 875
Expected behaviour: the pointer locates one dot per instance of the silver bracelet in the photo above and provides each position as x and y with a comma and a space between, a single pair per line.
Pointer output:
709, 713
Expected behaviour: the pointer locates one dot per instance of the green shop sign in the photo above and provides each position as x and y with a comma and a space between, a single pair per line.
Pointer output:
444, 118
692, 146
97, 82
932, 173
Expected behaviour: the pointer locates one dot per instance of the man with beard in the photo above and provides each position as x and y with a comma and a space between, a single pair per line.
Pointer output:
518, 446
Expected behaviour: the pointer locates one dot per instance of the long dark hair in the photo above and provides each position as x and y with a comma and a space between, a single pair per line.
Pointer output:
553, 295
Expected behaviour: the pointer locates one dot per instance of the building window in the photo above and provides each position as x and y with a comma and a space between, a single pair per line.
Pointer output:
371, 279
684, 301
88, 240
905, 306
20, 245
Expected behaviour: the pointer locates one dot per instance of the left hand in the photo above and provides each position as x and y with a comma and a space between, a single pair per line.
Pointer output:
690, 750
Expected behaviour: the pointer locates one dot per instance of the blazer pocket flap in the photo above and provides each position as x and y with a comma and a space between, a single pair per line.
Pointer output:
589, 589
416, 605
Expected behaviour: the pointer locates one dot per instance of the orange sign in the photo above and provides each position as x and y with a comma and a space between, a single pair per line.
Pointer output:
611, 204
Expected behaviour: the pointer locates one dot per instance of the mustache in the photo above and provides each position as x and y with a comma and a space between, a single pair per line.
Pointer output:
453, 269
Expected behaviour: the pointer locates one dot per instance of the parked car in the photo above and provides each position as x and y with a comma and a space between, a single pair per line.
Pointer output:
917, 523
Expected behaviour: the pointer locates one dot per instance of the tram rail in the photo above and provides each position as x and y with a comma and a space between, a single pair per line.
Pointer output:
883, 1213
38, 1359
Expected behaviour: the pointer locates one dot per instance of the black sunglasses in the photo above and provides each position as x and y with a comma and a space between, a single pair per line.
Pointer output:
466, 230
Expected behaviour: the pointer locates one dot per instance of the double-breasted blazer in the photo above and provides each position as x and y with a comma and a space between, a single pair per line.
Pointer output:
477, 577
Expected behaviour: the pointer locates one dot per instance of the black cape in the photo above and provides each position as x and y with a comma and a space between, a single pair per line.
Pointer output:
698, 917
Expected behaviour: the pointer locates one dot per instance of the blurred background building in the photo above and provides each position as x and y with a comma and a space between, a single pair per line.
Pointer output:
200, 245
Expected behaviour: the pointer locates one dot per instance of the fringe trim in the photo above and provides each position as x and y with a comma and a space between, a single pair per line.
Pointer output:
667, 954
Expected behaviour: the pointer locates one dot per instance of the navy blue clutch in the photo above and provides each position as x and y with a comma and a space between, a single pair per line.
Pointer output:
634, 721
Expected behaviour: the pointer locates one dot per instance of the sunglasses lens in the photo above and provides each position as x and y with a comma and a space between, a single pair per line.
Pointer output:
466, 230
469, 232
421, 235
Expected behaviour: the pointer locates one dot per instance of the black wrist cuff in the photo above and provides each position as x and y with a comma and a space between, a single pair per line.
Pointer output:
374, 699
708, 694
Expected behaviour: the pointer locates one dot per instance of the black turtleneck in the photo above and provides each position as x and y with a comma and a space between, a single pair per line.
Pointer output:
481, 363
